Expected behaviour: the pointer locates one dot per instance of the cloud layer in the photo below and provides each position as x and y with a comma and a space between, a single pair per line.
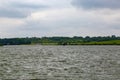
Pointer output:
93, 4
29, 18
19, 9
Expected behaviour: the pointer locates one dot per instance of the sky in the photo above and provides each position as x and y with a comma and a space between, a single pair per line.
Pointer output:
39, 18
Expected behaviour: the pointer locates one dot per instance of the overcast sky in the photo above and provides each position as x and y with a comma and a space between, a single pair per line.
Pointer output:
37, 18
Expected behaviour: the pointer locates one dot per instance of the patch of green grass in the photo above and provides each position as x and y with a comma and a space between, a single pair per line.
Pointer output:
112, 42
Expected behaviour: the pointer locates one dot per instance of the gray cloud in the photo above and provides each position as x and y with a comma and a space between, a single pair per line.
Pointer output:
11, 13
28, 5
19, 9
94, 4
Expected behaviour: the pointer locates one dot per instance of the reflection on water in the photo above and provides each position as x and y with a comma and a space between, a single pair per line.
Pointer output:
60, 62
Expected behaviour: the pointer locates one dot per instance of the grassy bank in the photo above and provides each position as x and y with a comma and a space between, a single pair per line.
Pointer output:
112, 42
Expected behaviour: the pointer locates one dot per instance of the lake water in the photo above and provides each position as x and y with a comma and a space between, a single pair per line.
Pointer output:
60, 62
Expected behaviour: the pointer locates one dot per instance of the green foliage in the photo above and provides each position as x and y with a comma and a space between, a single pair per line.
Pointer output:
111, 42
1, 45
76, 40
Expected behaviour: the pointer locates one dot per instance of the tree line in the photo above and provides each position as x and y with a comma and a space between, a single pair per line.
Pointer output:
76, 40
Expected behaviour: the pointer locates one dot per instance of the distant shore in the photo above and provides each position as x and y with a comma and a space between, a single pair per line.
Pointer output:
76, 40
112, 42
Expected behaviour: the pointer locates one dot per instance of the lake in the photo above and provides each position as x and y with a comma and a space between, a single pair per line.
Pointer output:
60, 62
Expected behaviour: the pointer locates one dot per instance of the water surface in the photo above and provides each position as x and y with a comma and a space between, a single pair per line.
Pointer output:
60, 62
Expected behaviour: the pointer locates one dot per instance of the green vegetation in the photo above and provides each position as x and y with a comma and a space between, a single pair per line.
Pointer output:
1, 45
76, 40
111, 42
